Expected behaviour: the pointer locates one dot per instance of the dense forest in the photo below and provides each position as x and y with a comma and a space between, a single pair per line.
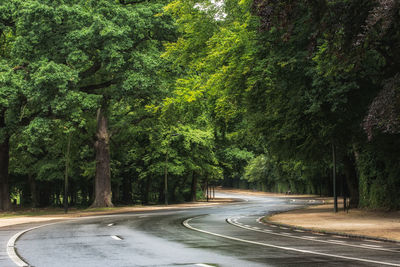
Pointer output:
109, 99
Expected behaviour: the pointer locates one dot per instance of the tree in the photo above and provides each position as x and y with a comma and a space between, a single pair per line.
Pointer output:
98, 50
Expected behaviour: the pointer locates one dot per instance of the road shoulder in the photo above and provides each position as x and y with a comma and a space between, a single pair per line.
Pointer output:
32, 219
360, 223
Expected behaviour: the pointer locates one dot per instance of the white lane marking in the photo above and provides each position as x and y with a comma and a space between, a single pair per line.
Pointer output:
284, 228
375, 241
313, 238
110, 224
372, 246
116, 237
203, 265
336, 241
187, 225
299, 231
12, 253
288, 234
321, 234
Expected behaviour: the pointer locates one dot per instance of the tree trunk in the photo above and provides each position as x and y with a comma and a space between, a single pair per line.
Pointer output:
351, 180
147, 190
103, 175
127, 189
5, 203
32, 187
194, 187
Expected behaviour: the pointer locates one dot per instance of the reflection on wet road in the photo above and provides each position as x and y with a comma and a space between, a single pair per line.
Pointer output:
227, 235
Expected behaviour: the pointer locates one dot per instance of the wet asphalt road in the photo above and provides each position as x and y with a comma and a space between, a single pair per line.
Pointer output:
227, 235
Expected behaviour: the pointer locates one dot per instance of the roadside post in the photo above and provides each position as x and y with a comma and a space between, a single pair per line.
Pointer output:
335, 204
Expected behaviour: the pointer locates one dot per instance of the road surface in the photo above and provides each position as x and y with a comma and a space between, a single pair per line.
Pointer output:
226, 235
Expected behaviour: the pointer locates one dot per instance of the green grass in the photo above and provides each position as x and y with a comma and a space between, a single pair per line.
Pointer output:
35, 212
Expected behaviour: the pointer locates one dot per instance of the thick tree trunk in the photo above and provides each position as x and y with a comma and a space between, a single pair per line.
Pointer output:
5, 203
194, 187
103, 175
351, 180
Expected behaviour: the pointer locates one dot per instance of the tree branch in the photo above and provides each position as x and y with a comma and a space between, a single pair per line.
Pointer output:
21, 67
123, 2
92, 87
92, 70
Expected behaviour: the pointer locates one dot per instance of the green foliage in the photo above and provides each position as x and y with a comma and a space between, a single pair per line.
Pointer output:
243, 93
379, 172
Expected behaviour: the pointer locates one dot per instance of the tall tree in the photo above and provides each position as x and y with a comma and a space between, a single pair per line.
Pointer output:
96, 49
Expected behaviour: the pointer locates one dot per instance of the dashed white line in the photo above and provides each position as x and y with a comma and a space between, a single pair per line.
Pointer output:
186, 224
299, 231
203, 265
116, 237
110, 224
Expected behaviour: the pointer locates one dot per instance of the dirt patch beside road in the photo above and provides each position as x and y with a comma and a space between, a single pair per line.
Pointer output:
7, 219
377, 224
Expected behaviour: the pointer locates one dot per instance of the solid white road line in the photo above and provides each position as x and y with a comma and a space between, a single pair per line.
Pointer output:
375, 241
11, 251
372, 246
313, 238
336, 241
12, 254
187, 225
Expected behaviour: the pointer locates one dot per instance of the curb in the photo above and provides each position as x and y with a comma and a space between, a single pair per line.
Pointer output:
266, 220
12, 250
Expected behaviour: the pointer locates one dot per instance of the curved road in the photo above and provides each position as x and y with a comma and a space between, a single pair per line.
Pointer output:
226, 235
